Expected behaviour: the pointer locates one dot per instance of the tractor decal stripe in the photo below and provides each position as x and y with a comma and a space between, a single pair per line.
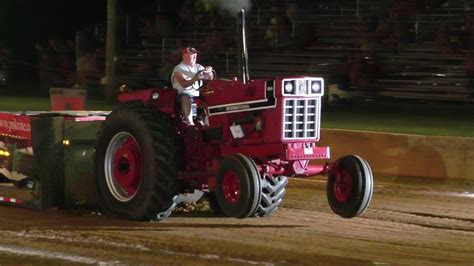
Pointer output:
10, 200
269, 102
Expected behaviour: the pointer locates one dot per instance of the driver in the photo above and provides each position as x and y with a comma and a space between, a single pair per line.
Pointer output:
186, 78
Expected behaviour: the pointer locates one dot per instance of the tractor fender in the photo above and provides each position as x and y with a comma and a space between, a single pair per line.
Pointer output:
162, 99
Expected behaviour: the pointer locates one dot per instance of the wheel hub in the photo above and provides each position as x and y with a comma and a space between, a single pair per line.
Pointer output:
343, 185
123, 166
126, 166
231, 187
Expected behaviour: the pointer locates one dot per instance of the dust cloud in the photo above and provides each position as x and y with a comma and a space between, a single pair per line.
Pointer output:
232, 6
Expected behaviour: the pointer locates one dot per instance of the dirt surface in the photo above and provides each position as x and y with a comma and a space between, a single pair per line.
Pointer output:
409, 221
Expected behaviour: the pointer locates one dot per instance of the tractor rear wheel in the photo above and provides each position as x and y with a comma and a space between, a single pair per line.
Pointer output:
238, 186
136, 164
350, 186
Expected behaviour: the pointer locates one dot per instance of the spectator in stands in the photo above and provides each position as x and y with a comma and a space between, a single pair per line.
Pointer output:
214, 43
372, 22
433, 4
145, 30
384, 8
469, 71
388, 31
466, 33
163, 27
142, 71
204, 13
343, 73
164, 71
279, 33
447, 39
64, 62
186, 17
87, 72
407, 11
187, 77
4, 51
364, 68
271, 33
46, 64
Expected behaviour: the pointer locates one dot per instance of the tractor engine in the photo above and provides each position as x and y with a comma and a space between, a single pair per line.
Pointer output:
275, 121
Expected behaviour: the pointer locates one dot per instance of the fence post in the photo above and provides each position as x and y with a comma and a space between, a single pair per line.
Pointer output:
293, 29
77, 52
417, 19
258, 16
357, 9
163, 50
127, 30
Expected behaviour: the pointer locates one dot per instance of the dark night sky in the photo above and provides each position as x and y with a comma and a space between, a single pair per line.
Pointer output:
23, 23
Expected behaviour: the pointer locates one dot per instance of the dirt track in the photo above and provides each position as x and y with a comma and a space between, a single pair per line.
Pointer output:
410, 221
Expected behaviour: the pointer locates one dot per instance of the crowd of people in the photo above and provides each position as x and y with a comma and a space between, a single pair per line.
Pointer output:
56, 63
279, 25
65, 63
397, 23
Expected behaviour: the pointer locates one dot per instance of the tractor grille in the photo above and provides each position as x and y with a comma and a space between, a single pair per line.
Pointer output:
301, 119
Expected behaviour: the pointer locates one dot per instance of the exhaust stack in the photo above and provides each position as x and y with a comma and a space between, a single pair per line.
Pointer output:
242, 50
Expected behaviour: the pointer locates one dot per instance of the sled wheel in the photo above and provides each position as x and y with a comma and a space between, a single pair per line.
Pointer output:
238, 186
136, 164
350, 186
273, 191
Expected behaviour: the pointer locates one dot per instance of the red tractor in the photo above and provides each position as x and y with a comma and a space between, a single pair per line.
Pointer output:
250, 136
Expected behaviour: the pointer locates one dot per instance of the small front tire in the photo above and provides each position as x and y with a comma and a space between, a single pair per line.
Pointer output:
350, 186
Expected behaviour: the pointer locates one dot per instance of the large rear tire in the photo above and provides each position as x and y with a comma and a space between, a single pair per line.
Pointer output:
238, 186
350, 186
136, 164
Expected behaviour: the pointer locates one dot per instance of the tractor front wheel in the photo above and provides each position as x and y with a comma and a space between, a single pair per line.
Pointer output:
238, 187
349, 186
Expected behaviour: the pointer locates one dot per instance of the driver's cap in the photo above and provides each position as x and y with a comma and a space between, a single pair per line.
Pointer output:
189, 50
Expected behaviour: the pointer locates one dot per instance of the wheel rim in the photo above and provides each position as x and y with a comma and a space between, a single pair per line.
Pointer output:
231, 187
123, 166
343, 185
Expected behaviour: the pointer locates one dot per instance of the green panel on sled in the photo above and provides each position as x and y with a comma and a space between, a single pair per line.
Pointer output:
79, 179
47, 141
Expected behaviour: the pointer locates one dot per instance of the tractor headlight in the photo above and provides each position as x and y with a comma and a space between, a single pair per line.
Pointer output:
315, 87
155, 95
289, 87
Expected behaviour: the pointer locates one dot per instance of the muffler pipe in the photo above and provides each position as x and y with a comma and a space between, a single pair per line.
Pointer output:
242, 49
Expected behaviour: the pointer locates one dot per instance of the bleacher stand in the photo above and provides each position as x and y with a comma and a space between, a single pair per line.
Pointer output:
393, 44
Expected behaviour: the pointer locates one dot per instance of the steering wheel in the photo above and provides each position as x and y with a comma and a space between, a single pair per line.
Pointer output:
201, 72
